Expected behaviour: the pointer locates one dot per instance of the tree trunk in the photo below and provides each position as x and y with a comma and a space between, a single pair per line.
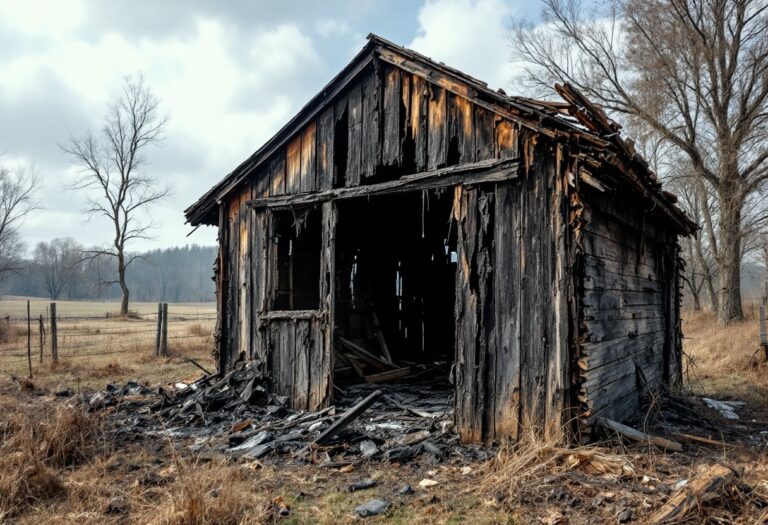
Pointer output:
696, 300
729, 256
123, 286
706, 274
693, 287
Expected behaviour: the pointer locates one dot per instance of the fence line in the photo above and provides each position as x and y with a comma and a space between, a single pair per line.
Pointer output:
71, 334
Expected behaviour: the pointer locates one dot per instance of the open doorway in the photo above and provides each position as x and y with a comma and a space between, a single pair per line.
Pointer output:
395, 289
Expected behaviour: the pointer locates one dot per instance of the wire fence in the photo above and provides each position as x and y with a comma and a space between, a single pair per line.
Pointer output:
51, 337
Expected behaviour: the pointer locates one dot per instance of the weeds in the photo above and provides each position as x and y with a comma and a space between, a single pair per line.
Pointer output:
212, 493
31, 450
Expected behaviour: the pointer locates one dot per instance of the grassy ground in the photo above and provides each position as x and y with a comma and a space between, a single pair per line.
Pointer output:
16, 307
723, 360
57, 466
95, 346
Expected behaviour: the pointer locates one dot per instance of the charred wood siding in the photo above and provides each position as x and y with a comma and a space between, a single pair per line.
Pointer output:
393, 123
512, 349
630, 336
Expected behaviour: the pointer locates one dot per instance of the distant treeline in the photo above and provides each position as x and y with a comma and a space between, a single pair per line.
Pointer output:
64, 270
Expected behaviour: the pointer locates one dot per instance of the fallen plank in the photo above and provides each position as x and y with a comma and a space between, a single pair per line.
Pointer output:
636, 435
198, 365
352, 360
699, 439
708, 485
346, 418
388, 375
364, 354
380, 337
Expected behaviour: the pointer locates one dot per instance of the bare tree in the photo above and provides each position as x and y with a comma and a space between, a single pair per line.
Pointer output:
57, 263
693, 71
111, 166
17, 201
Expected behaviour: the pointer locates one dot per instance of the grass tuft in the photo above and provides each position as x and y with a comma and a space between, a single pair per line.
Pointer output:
32, 449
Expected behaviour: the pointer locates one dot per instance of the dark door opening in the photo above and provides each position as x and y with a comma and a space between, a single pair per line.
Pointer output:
395, 288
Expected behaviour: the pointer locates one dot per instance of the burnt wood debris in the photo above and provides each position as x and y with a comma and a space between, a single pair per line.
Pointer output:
411, 227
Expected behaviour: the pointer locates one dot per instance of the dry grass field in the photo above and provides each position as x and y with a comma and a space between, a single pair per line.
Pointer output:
723, 360
58, 466
96, 346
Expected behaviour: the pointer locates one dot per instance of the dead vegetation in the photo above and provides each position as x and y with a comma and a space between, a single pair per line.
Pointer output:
723, 359
59, 465
35, 447
211, 493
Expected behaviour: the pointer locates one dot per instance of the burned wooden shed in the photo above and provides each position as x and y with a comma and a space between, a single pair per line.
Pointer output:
409, 214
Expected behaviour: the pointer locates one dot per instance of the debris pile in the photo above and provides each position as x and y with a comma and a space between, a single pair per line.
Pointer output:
236, 415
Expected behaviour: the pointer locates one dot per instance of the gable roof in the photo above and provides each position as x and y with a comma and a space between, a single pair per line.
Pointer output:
575, 120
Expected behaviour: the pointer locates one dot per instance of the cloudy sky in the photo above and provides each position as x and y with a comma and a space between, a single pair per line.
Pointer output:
229, 74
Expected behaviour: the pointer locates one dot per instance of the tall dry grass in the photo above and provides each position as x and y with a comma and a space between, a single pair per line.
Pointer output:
210, 494
520, 471
722, 361
34, 447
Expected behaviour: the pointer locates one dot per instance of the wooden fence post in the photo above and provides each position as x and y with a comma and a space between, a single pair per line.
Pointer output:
42, 337
54, 335
164, 340
29, 341
159, 328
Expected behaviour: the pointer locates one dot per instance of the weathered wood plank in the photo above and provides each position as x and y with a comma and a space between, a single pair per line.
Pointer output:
643, 311
244, 272
469, 174
322, 357
277, 173
308, 158
484, 129
641, 437
419, 111
468, 420
640, 270
259, 253
371, 140
233, 295
222, 289
355, 136
461, 136
612, 299
437, 128
391, 138
613, 329
536, 327
505, 386
597, 278
287, 355
559, 357
506, 140
616, 249
325, 134
302, 348
261, 183
293, 166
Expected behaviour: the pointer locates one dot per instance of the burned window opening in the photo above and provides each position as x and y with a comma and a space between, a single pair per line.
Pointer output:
297, 238
396, 274
340, 149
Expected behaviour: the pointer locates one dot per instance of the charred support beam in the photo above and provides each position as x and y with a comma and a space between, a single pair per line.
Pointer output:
467, 175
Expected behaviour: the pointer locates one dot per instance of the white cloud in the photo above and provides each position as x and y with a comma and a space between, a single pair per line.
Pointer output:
226, 94
326, 27
42, 18
470, 35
